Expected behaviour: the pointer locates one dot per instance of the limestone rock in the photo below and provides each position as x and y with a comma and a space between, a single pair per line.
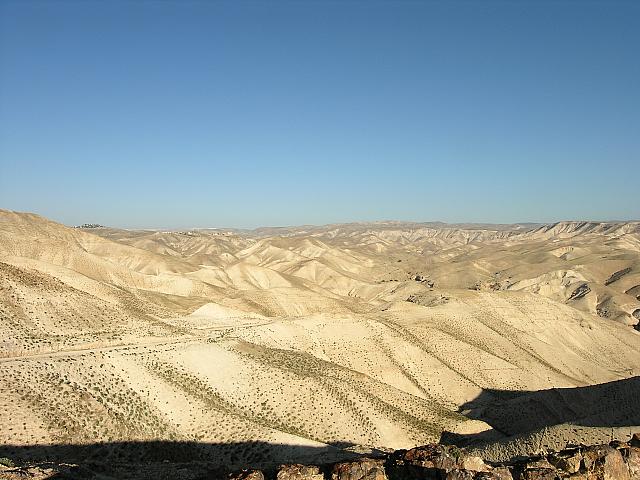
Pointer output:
540, 474
498, 473
431, 456
604, 462
567, 460
473, 463
362, 469
459, 475
632, 459
299, 472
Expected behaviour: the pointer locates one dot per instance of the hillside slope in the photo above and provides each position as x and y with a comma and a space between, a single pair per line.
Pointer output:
378, 335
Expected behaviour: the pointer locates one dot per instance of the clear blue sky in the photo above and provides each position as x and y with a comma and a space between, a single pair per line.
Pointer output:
176, 114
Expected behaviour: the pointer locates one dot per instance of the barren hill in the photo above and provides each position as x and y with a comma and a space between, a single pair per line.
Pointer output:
380, 335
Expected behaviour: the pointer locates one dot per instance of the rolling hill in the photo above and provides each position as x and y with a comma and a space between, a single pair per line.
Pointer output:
383, 335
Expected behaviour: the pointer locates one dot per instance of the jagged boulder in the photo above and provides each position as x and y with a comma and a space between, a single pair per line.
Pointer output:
603, 462
567, 460
538, 469
473, 463
299, 472
616, 461
429, 456
439, 462
497, 473
361, 469
632, 459
540, 474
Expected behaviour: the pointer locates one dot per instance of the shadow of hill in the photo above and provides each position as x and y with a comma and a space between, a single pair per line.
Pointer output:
612, 404
167, 459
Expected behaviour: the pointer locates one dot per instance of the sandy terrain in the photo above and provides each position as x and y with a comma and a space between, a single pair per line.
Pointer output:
378, 335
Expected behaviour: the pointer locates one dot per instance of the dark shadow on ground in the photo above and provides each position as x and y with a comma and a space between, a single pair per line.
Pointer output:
612, 404
177, 460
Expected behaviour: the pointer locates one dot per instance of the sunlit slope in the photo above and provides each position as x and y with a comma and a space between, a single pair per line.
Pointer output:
372, 334
596, 273
28, 238
42, 314
223, 390
393, 379
466, 341
199, 247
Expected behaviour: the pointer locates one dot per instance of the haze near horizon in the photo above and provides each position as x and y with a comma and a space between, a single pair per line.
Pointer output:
243, 114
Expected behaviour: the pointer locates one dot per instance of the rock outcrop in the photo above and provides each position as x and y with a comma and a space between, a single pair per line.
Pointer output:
614, 461
299, 472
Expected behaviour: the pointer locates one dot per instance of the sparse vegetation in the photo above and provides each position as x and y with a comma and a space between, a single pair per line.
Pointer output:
211, 338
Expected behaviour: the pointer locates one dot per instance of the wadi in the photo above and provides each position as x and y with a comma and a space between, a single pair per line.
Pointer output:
252, 347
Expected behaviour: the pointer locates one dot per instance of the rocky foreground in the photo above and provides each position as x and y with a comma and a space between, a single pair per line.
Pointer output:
618, 460
614, 461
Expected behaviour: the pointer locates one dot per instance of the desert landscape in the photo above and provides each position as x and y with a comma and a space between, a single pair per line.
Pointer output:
252, 347
319, 240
